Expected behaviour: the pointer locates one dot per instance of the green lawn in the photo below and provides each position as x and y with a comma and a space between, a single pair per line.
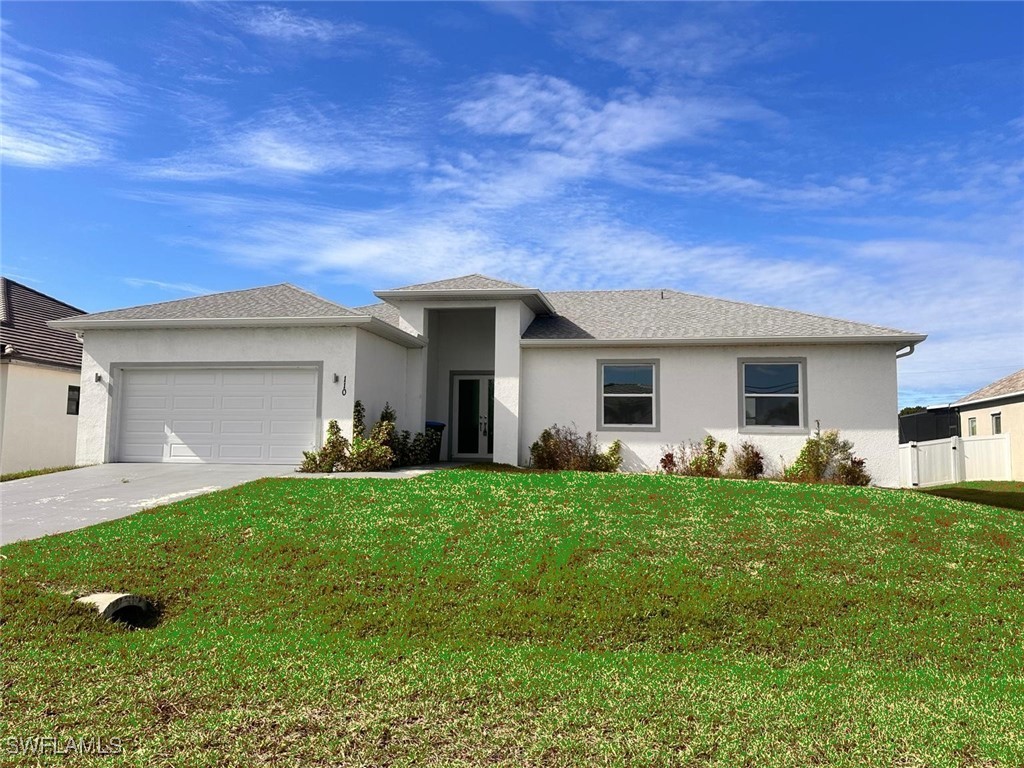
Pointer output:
483, 618
997, 493
34, 472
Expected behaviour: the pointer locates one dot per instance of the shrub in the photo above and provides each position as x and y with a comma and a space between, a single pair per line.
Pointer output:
565, 448
748, 461
331, 456
383, 449
702, 459
825, 458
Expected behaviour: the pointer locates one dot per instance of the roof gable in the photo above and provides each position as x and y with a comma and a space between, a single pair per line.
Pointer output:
474, 282
273, 301
24, 313
672, 315
1005, 387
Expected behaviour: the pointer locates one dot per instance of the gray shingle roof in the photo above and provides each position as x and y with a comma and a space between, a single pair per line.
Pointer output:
656, 314
382, 311
23, 316
1009, 385
464, 283
282, 301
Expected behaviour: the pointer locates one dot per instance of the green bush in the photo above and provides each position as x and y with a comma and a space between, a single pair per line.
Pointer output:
331, 456
748, 462
826, 458
564, 448
383, 449
702, 459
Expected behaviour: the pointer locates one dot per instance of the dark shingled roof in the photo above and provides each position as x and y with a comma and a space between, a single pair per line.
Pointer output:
283, 301
668, 314
465, 283
1009, 385
23, 316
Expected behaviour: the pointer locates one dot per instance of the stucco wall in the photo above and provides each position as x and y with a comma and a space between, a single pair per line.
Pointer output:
35, 428
380, 377
334, 348
849, 387
1013, 425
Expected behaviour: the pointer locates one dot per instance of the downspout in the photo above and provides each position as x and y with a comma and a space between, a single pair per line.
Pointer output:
908, 353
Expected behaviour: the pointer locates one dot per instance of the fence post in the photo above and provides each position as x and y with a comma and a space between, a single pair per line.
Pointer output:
915, 470
957, 457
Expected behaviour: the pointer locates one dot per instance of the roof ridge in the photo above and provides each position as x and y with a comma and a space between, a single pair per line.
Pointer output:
40, 293
735, 302
310, 293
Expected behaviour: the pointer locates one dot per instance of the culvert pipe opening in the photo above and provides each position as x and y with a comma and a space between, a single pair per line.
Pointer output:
123, 608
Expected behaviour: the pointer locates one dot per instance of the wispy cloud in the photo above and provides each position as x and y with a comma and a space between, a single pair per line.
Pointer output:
291, 140
60, 110
138, 282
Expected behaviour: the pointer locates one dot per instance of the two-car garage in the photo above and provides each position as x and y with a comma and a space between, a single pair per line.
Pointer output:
225, 415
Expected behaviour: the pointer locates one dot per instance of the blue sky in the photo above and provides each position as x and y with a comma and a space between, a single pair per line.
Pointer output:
858, 160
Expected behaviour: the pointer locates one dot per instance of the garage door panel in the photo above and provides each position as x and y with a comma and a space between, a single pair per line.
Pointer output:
218, 415
243, 403
241, 427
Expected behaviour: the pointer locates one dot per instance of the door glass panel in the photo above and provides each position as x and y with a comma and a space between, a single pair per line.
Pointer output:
468, 438
490, 416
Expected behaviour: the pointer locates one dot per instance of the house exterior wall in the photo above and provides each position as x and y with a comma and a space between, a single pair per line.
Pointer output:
379, 377
35, 429
848, 387
1012, 411
332, 347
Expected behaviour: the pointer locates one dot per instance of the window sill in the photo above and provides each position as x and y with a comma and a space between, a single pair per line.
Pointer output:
774, 430
628, 428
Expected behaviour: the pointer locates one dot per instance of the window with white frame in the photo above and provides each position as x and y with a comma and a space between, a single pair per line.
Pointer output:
628, 394
997, 423
972, 426
772, 392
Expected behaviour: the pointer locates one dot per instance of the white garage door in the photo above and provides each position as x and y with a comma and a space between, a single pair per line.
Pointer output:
220, 416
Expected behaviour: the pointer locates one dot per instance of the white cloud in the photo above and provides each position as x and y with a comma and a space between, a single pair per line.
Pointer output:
60, 110
290, 140
138, 282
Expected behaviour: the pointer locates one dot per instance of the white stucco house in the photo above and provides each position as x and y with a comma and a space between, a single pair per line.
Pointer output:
253, 376
40, 377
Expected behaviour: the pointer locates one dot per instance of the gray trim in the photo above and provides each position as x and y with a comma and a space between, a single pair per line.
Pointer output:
532, 297
654, 361
721, 341
803, 429
451, 412
115, 391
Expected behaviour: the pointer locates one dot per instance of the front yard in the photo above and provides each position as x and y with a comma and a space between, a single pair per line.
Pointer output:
483, 618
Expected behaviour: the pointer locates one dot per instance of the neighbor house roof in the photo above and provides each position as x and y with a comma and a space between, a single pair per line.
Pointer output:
273, 305
1009, 386
24, 313
645, 315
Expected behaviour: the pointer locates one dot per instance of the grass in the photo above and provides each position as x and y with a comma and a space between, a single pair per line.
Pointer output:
487, 618
997, 493
34, 472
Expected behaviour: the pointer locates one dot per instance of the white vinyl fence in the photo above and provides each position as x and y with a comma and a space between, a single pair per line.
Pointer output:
954, 459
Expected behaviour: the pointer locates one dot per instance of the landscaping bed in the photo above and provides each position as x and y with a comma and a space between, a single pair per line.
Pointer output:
526, 618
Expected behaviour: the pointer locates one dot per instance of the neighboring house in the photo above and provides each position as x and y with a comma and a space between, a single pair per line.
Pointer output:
40, 376
936, 422
994, 410
253, 376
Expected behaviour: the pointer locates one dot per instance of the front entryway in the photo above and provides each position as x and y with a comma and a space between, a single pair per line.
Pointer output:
472, 416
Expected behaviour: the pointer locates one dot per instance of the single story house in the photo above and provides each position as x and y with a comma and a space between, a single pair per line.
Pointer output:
254, 376
40, 378
997, 409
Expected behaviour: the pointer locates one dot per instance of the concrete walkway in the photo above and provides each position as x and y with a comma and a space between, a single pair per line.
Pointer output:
77, 498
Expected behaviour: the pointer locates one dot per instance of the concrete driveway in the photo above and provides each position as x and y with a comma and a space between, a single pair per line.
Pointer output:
65, 501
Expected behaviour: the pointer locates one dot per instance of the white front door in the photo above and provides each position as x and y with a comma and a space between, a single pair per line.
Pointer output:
472, 416
218, 415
